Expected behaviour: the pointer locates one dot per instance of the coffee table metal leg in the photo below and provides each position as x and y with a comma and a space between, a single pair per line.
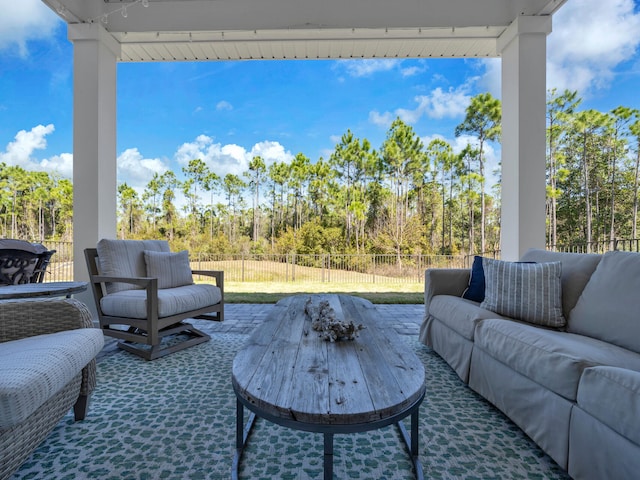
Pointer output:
414, 434
412, 443
328, 456
242, 434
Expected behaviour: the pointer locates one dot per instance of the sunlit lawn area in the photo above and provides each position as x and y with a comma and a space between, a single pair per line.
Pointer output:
271, 292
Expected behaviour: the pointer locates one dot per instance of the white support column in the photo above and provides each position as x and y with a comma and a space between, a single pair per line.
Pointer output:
95, 56
524, 55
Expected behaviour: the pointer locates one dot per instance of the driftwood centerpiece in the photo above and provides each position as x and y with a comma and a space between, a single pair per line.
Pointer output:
323, 320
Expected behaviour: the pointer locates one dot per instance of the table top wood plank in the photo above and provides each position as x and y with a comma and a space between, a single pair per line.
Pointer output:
271, 359
349, 396
386, 389
308, 379
399, 367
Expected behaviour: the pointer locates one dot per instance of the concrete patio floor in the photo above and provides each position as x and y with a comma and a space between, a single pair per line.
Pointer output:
244, 317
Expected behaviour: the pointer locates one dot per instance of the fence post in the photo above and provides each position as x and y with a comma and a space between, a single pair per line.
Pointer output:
242, 274
293, 267
323, 260
373, 270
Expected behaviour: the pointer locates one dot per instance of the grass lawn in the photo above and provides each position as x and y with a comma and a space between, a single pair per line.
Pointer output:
271, 292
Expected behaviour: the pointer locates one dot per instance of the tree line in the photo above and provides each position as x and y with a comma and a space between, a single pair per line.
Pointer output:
403, 197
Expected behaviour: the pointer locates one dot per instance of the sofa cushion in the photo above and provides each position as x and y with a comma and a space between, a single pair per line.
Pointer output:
577, 269
171, 301
459, 314
33, 369
612, 395
609, 304
525, 291
125, 258
171, 269
551, 358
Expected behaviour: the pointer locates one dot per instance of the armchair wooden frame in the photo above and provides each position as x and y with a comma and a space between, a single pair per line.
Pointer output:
151, 330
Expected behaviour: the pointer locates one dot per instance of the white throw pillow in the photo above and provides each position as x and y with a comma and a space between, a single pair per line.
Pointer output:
171, 269
531, 292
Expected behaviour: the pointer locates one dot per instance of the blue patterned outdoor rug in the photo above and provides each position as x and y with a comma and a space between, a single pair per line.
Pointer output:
174, 418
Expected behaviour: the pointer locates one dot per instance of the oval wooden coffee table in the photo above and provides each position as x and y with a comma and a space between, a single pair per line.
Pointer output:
288, 375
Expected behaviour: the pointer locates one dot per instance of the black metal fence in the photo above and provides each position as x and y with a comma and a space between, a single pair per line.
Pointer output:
626, 245
334, 268
324, 268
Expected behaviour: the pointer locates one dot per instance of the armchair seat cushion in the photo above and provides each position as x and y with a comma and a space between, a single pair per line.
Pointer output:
171, 301
33, 369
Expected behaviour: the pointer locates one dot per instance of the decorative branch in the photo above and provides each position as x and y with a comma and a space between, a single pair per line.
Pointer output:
323, 320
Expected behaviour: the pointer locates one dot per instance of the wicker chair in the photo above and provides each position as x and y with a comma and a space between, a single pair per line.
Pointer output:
22, 262
47, 367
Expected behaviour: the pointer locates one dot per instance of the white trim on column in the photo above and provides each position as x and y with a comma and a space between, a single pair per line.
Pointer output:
523, 50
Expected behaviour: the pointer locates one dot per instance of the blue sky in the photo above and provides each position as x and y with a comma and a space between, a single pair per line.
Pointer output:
227, 112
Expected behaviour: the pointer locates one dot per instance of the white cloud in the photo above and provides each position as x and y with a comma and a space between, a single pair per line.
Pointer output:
367, 67
136, 170
412, 71
224, 105
230, 158
61, 164
271, 152
491, 81
21, 151
438, 104
23, 21
381, 119
590, 39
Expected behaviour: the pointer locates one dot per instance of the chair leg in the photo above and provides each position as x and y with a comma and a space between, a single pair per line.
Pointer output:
157, 351
81, 407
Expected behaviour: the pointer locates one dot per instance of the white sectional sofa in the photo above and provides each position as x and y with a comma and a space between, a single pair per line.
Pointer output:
555, 345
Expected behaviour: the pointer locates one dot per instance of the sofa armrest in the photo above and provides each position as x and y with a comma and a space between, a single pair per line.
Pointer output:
29, 317
444, 281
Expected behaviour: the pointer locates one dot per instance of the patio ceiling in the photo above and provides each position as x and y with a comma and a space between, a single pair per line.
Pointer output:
190, 30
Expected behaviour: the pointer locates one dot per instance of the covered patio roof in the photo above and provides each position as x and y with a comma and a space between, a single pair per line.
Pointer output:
195, 30
106, 32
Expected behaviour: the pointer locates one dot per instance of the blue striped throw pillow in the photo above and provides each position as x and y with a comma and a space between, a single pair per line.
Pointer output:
525, 291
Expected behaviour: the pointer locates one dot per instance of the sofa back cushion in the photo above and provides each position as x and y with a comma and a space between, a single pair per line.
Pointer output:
577, 269
125, 258
609, 304
525, 291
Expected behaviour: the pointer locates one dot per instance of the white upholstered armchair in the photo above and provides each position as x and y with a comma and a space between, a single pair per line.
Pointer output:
144, 292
